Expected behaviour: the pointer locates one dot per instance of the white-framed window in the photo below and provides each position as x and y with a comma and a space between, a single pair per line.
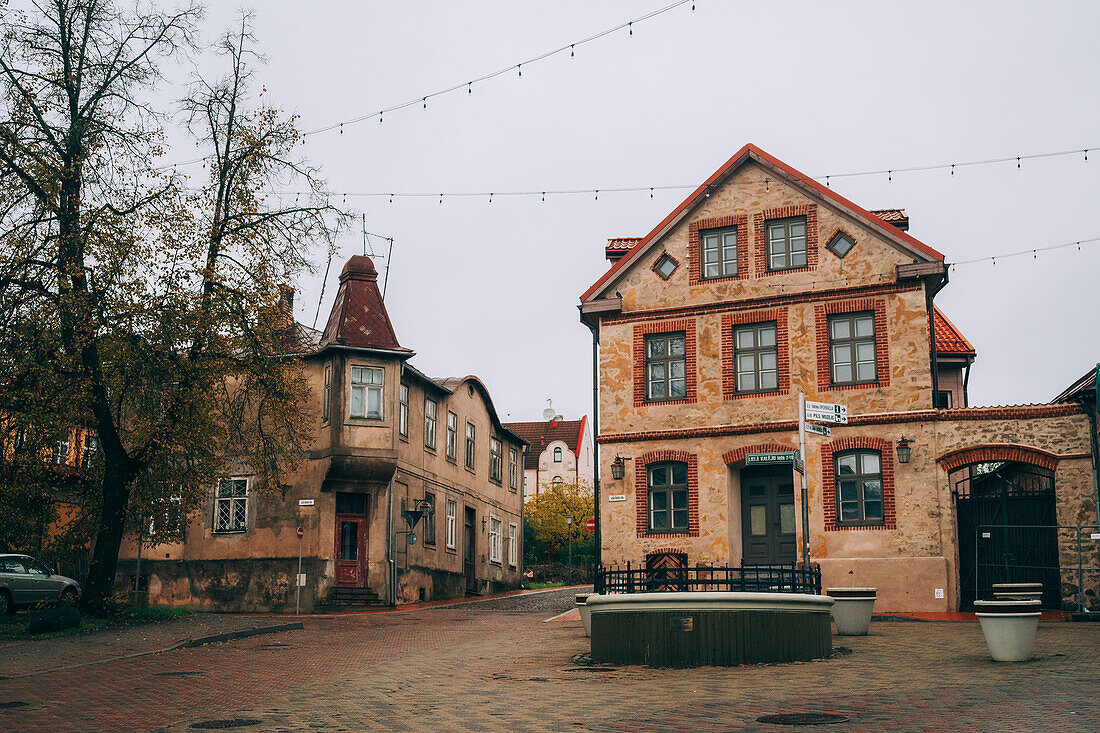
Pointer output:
471, 445
513, 543
61, 451
557, 481
557, 454
430, 409
366, 392
429, 519
513, 468
231, 505
495, 459
452, 436
326, 394
452, 511
91, 450
403, 411
495, 549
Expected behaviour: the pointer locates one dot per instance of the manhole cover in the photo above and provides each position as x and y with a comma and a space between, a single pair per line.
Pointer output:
230, 723
802, 719
13, 704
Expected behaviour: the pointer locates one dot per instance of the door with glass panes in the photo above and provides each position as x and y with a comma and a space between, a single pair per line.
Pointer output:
767, 516
351, 540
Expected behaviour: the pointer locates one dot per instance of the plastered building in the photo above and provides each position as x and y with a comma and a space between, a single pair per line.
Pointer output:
560, 452
764, 283
389, 439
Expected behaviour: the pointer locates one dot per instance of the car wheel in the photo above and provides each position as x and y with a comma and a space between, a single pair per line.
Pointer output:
6, 606
68, 597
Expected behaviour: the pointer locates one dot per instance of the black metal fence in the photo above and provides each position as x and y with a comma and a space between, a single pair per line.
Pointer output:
753, 578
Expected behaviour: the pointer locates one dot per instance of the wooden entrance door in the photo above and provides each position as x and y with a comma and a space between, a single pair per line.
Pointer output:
351, 540
470, 544
767, 516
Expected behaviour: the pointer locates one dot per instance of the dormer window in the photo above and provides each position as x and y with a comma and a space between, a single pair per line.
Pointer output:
841, 244
665, 266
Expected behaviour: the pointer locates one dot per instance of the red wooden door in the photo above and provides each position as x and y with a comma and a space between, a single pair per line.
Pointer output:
351, 551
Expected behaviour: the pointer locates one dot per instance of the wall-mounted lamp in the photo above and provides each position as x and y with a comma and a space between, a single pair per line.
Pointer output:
903, 450
618, 467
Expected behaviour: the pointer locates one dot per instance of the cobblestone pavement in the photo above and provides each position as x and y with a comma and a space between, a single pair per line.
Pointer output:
444, 669
553, 600
30, 655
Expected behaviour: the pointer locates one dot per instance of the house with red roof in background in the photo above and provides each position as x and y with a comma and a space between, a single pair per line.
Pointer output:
765, 286
560, 452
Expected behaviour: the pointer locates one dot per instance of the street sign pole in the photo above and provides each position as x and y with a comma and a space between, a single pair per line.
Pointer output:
298, 577
805, 492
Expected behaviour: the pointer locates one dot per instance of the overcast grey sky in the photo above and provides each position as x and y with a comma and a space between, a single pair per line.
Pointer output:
492, 288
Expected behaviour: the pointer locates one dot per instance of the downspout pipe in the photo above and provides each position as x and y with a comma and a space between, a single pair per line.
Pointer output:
390, 559
930, 294
597, 535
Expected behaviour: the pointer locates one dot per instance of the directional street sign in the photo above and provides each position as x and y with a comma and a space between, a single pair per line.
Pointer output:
799, 465
770, 459
826, 412
818, 429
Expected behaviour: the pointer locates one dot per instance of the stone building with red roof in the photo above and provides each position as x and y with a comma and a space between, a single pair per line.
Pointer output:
560, 452
764, 284
410, 492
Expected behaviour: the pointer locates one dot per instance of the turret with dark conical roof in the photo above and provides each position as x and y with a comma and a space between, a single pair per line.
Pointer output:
358, 318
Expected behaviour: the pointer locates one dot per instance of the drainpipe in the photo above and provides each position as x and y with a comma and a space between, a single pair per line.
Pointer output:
390, 559
966, 381
1091, 413
595, 445
930, 293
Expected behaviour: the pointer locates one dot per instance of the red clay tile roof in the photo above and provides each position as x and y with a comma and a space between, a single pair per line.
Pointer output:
543, 433
1080, 389
752, 152
358, 316
897, 217
619, 246
949, 340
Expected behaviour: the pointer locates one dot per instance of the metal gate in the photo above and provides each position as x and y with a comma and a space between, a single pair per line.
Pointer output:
1007, 530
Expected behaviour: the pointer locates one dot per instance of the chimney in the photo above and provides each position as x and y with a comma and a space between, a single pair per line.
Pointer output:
285, 315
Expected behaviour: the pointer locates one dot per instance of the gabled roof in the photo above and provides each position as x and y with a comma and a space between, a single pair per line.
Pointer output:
358, 318
902, 240
949, 339
1082, 389
542, 433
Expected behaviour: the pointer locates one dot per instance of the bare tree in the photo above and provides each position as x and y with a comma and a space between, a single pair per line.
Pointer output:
155, 306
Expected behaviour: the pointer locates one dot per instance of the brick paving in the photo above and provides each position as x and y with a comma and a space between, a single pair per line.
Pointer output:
452, 668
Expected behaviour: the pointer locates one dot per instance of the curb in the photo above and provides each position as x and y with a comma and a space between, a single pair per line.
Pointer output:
408, 606
185, 644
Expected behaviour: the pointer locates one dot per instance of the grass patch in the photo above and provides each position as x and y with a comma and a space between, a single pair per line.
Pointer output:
14, 628
541, 586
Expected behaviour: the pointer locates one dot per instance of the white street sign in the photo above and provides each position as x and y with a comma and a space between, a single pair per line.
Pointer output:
826, 412
617, 497
305, 502
818, 429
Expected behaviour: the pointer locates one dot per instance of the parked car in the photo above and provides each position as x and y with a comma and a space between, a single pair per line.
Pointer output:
26, 582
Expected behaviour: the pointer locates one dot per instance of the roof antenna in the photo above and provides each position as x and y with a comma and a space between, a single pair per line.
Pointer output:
548, 413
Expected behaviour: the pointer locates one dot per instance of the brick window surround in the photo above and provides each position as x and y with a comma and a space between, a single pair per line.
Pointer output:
737, 455
832, 238
997, 452
882, 346
641, 490
695, 254
657, 261
759, 225
828, 480
729, 368
641, 330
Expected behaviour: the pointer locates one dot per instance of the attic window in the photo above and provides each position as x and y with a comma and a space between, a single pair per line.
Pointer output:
841, 244
665, 266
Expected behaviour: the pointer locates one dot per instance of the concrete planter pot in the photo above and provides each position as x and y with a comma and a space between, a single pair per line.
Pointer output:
1017, 591
1009, 628
852, 608
586, 613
